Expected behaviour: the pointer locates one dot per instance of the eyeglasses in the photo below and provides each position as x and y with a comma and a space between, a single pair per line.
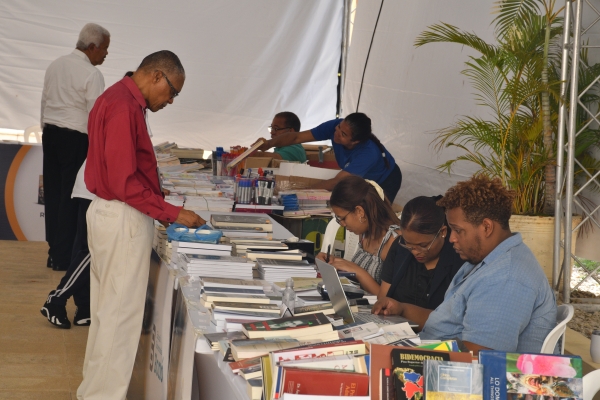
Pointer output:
174, 92
273, 129
340, 220
418, 248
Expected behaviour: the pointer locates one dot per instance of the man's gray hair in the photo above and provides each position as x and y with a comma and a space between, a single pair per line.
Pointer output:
91, 33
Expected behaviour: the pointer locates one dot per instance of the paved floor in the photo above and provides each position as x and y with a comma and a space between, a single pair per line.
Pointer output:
37, 360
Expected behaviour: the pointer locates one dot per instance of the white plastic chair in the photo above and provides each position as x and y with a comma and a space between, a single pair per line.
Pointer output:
350, 244
36, 130
329, 236
591, 384
563, 316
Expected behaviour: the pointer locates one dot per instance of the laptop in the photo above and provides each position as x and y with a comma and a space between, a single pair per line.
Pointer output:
340, 302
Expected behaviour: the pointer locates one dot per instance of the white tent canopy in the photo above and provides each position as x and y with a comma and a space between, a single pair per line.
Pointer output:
244, 60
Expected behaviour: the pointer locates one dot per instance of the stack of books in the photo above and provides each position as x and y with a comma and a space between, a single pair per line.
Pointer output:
210, 249
279, 270
291, 255
303, 328
243, 245
176, 200
160, 242
164, 147
248, 292
335, 368
215, 265
242, 221
208, 203
164, 160
306, 201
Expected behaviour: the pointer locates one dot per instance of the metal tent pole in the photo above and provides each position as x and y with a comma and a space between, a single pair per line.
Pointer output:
560, 148
571, 134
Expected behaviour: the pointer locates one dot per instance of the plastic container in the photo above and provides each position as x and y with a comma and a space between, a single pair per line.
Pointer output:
288, 297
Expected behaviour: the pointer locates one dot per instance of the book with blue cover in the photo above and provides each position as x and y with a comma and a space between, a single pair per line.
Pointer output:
515, 376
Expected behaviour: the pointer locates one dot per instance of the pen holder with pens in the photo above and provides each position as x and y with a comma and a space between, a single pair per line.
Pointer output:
244, 189
264, 191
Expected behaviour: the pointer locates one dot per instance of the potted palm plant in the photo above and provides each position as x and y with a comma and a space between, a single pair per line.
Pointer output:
517, 80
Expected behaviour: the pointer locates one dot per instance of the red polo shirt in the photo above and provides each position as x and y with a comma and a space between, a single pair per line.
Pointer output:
121, 164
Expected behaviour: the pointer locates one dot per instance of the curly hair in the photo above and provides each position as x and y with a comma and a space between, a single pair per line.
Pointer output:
480, 197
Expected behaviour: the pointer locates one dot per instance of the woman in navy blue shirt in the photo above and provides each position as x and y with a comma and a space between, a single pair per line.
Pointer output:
421, 263
357, 152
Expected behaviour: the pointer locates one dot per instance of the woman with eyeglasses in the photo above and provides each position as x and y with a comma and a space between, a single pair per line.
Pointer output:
357, 151
422, 262
360, 206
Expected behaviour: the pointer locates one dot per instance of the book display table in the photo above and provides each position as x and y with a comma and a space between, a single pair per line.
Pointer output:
174, 360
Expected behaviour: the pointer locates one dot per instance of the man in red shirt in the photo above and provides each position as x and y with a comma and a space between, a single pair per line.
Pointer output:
122, 172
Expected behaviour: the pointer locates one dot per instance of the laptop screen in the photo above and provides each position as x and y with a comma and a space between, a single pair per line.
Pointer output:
335, 291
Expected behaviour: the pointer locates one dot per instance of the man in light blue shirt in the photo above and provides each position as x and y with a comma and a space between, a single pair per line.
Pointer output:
500, 299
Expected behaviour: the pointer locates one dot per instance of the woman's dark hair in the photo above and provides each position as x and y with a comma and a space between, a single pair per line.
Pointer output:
354, 191
360, 125
423, 215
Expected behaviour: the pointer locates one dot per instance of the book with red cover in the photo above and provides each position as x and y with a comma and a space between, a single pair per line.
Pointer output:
248, 362
324, 383
289, 326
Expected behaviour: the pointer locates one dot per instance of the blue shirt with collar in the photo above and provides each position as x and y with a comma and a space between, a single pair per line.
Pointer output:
364, 159
504, 303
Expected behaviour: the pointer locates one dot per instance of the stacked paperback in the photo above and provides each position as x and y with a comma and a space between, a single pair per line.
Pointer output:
208, 265
279, 270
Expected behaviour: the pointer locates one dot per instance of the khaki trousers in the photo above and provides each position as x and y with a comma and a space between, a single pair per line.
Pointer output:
120, 243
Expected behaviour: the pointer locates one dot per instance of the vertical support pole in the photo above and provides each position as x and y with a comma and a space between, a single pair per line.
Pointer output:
560, 148
345, 42
571, 131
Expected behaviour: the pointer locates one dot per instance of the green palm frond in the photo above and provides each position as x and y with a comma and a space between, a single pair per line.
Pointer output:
518, 82
446, 33
489, 81
510, 12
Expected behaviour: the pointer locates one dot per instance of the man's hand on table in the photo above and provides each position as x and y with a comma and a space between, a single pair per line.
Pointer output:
189, 219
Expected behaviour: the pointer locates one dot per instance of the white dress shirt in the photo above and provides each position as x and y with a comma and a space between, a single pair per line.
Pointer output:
71, 86
79, 189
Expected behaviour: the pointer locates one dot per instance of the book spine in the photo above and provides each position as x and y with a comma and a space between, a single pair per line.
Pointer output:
387, 385
494, 375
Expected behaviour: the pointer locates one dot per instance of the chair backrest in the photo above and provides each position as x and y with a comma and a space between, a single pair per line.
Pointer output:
350, 244
329, 236
36, 130
591, 384
563, 316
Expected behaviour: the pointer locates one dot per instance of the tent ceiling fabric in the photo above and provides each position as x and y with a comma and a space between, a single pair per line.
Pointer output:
244, 60
409, 92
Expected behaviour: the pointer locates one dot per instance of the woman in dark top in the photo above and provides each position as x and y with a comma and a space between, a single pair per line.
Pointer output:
422, 262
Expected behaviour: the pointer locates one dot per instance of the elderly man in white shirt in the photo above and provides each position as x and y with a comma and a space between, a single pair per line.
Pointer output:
71, 85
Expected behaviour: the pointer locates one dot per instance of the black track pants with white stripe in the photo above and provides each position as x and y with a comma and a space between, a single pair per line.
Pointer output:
76, 281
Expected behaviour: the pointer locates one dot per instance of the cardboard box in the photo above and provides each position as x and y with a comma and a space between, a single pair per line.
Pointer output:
258, 162
300, 176
314, 156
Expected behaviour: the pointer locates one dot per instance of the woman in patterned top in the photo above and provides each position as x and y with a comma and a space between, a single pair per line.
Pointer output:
360, 206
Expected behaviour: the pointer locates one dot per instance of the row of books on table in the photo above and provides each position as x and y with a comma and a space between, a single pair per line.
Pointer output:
312, 354
308, 350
